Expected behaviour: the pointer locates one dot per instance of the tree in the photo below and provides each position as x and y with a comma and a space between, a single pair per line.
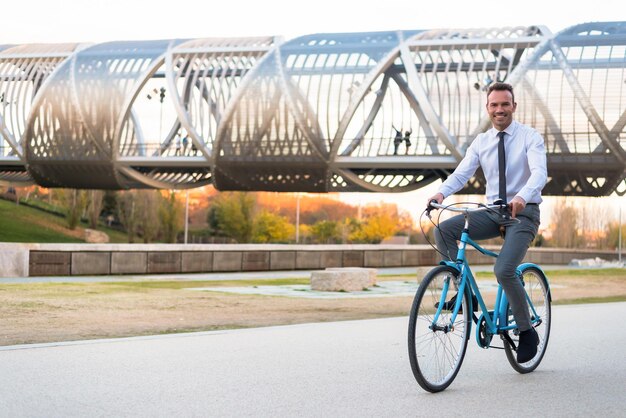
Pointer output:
214, 223
539, 240
325, 232
613, 235
73, 202
94, 207
269, 227
594, 217
425, 235
564, 229
313, 208
380, 221
170, 214
148, 202
109, 203
127, 212
374, 229
232, 214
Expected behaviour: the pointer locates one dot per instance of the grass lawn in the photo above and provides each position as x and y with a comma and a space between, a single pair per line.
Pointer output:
26, 224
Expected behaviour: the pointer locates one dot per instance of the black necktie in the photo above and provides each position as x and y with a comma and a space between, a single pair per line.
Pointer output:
502, 167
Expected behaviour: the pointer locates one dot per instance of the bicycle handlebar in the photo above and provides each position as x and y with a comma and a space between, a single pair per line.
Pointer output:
434, 205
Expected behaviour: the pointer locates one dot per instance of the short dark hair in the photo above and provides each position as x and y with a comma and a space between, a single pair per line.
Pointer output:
501, 87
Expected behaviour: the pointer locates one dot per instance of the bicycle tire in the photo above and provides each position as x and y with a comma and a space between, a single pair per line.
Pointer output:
436, 356
538, 289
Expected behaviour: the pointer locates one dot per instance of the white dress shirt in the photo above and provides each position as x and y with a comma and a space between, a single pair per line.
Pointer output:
526, 170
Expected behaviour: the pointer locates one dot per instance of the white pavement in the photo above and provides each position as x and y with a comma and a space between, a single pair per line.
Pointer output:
343, 369
246, 275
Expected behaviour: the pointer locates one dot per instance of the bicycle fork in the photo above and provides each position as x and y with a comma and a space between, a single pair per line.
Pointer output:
442, 300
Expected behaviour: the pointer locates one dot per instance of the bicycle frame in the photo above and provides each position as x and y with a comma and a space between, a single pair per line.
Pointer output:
496, 321
438, 336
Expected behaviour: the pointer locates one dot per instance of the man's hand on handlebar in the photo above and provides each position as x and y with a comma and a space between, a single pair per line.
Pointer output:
437, 198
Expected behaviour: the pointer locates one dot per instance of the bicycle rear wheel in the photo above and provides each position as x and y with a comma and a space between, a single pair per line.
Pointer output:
538, 290
436, 351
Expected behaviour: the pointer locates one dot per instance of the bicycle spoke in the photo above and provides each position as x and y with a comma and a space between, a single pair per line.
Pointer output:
538, 292
437, 345
436, 353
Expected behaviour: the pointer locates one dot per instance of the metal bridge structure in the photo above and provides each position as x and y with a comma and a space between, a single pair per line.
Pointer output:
319, 113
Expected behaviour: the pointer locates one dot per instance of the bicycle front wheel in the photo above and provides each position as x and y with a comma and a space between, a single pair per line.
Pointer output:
538, 291
437, 349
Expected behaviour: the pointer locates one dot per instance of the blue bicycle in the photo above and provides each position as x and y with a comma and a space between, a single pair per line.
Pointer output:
439, 331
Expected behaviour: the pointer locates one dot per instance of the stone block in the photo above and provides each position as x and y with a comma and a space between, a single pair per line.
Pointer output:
50, 257
331, 259
428, 257
227, 261
306, 260
410, 258
392, 258
372, 273
476, 257
543, 257
255, 260
163, 262
49, 263
534, 257
196, 262
129, 262
565, 257
91, 263
561, 257
346, 280
373, 259
555, 257
13, 260
282, 260
352, 259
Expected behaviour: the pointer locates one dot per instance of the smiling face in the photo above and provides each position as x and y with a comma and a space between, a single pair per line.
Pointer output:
500, 107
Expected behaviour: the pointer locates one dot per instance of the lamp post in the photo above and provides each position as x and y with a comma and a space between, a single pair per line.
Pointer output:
619, 236
161, 98
297, 218
186, 214
161, 93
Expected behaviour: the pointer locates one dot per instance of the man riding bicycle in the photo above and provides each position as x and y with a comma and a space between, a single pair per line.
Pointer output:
513, 159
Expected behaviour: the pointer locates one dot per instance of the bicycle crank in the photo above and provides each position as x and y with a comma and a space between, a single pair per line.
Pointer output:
483, 338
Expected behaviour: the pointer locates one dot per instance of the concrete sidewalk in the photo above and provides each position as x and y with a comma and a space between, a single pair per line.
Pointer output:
252, 275
339, 369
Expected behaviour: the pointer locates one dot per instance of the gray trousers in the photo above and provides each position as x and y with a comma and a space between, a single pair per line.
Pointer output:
519, 235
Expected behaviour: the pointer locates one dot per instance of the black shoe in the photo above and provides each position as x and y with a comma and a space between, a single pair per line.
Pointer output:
527, 347
449, 305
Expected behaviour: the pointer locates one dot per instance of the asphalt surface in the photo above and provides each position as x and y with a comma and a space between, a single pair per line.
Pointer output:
355, 368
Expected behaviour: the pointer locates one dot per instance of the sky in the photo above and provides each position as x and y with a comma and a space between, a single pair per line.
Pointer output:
50, 21
107, 20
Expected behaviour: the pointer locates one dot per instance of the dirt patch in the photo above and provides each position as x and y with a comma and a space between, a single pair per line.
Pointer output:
33, 313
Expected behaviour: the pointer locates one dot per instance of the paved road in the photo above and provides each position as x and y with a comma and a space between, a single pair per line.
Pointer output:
356, 368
